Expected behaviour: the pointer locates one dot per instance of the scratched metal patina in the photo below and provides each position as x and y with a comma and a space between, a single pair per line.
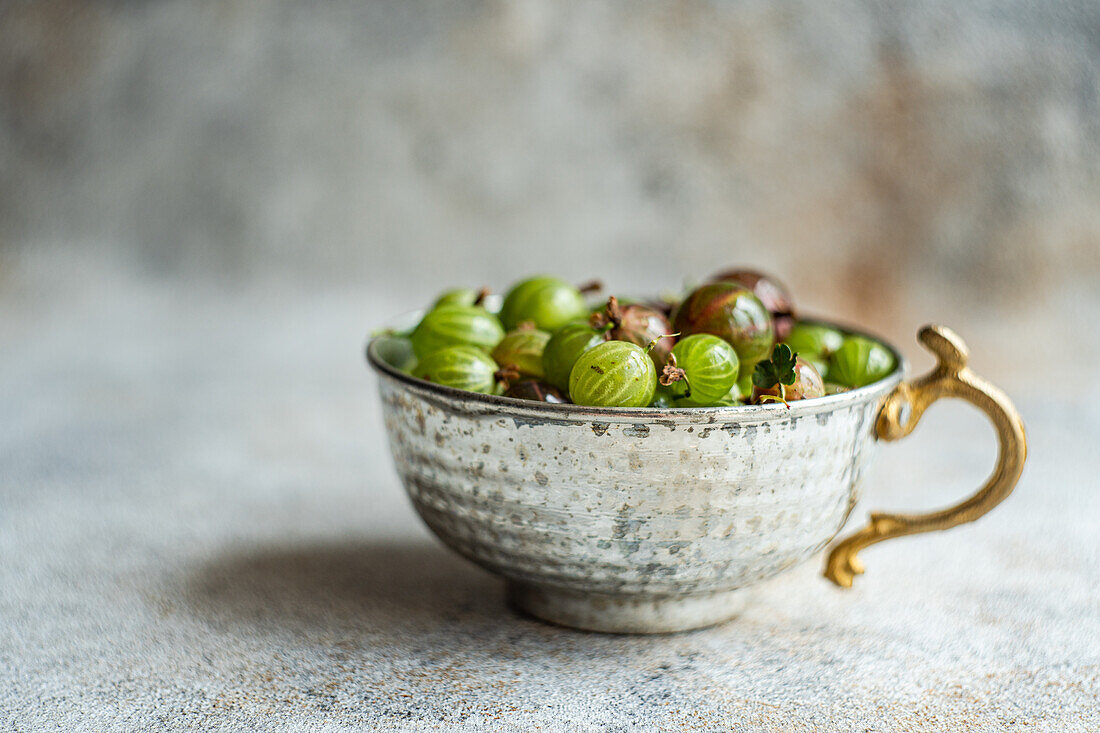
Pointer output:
629, 519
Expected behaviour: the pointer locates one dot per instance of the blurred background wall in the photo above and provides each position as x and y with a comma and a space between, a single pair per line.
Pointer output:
894, 162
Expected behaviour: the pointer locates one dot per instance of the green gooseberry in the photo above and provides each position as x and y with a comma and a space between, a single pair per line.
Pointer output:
565, 347
397, 351
461, 366
522, 349
460, 296
729, 399
613, 374
448, 325
662, 397
710, 368
744, 381
860, 361
548, 302
813, 341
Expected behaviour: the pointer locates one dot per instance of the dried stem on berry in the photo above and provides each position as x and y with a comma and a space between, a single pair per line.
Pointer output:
507, 374
672, 373
614, 311
611, 316
654, 342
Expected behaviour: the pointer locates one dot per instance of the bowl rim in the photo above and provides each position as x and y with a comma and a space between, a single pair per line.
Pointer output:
498, 404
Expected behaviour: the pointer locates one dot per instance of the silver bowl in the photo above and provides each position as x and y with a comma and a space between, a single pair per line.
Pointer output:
637, 520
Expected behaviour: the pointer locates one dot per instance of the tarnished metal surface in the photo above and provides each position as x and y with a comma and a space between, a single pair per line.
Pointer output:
635, 508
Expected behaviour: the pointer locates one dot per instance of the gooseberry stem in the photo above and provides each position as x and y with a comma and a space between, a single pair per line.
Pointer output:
773, 398
609, 318
672, 373
506, 375
654, 342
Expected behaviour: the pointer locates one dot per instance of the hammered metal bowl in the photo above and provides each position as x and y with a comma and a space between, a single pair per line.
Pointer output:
632, 520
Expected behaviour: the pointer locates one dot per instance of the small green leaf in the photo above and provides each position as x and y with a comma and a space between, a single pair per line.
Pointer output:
764, 375
777, 370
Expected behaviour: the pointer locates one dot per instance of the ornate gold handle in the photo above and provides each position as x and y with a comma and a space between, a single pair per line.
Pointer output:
950, 378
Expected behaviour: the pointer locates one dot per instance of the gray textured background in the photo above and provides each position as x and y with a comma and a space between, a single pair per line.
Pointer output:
204, 207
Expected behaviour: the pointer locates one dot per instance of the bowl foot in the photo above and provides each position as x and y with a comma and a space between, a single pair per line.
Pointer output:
625, 614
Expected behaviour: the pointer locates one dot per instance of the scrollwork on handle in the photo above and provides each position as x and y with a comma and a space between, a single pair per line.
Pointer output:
951, 377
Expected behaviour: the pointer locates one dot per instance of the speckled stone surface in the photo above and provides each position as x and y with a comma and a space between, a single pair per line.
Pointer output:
200, 528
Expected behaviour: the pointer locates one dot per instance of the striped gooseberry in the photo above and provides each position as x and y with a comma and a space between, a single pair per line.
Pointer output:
814, 340
613, 374
546, 301
730, 399
462, 367
450, 325
461, 296
702, 368
860, 361
522, 350
565, 347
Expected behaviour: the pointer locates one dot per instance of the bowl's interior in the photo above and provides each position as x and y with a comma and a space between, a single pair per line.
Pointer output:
389, 352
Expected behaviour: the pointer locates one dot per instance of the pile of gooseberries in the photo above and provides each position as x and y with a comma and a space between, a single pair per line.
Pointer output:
734, 340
